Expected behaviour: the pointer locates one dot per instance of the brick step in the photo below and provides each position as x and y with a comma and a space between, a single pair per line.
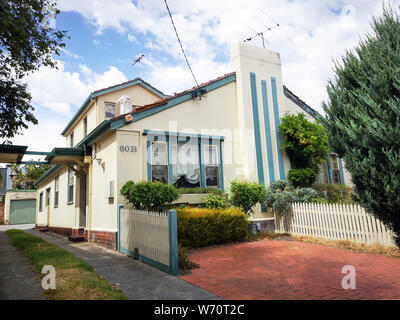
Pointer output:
76, 238
43, 229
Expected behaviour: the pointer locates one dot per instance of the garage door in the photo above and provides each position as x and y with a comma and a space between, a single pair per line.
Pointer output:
22, 211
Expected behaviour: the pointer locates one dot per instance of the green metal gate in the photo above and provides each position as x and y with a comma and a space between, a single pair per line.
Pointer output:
22, 211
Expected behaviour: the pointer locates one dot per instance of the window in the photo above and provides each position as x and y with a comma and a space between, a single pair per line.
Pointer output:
337, 179
185, 165
109, 110
71, 139
70, 195
159, 161
41, 201
85, 127
48, 197
56, 190
211, 166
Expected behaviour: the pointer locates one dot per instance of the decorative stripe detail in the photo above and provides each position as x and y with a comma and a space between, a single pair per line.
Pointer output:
260, 168
278, 135
268, 137
341, 170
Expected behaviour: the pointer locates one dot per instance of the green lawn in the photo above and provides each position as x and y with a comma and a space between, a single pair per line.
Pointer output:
75, 280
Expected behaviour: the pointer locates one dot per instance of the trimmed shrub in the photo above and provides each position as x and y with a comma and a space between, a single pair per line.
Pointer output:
149, 195
303, 178
305, 195
280, 185
200, 191
215, 202
203, 227
245, 195
336, 193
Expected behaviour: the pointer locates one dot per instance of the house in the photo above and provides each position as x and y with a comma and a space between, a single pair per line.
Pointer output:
206, 136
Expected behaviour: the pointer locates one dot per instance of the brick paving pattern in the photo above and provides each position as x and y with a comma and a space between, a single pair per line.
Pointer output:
281, 270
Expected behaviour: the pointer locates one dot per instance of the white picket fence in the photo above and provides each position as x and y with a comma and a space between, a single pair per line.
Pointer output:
335, 222
146, 231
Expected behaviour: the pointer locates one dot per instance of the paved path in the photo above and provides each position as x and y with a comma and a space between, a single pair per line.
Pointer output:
17, 226
137, 280
17, 279
292, 270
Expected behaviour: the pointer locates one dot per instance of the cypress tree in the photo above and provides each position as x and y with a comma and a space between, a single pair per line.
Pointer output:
363, 118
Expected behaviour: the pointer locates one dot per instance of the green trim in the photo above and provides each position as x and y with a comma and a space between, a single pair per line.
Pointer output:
173, 242
221, 170
149, 160
172, 102
181, 135
13, 149
330, 175
96, 94
257, 135
278, 135
302, 104
202, 166
73, 152
47, 174
341, 170
268, 136
20, 190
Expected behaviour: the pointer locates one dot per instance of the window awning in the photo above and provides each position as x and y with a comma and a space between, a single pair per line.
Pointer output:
14, 154
65, 155
11, 153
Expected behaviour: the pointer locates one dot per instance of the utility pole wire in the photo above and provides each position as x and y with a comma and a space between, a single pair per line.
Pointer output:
180, 43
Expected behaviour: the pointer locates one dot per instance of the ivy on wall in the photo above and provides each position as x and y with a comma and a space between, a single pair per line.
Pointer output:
306, 144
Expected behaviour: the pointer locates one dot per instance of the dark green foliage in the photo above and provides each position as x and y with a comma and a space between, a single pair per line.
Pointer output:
200, 191
215, 202
25, 45
303, 178
336, 193
245, 195
306, 144
305, 195
279, 185
363, 118
203, 227
184, 261
28, 174
149, 195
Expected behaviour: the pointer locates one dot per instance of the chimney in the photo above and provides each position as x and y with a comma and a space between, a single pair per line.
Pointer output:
260, 103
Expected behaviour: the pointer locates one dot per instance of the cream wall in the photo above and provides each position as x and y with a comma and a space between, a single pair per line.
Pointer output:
96, 113
65, 215
104, 169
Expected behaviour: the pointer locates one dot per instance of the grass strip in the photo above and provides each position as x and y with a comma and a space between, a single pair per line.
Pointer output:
75, 279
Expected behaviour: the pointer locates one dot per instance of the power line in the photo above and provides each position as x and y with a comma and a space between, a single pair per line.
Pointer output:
180, 43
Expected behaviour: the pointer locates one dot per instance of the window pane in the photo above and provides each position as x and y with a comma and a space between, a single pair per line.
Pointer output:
212, 177
110, 110
210, 155
336, 177
159, 173
185, 165
159, 153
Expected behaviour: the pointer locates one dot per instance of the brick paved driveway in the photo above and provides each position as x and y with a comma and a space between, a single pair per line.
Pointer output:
292, 270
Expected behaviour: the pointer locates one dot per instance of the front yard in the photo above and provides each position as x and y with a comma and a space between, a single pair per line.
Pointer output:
75, 280
286, 270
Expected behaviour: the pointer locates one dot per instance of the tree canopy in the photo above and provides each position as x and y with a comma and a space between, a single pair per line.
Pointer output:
26, 43
363, 118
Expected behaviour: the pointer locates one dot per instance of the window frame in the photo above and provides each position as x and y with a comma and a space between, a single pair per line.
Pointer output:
85, 127
335, 170
166, 158
69, 185
216, 165
71, 139
48, 201
41, 201
56, 191
105, 109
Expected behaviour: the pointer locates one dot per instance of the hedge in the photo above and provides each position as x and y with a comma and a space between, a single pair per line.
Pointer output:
200, 227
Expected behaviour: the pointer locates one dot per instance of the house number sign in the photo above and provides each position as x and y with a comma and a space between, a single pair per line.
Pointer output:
128, 149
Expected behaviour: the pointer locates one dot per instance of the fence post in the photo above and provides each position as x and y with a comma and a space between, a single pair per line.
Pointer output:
173, 242
121, 206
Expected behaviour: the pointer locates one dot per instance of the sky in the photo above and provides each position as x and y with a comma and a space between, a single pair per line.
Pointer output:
107, 35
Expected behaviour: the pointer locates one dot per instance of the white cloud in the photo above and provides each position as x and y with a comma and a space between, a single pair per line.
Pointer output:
312, 34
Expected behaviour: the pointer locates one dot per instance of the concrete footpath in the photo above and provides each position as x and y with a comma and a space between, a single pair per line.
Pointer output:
17, 279
138, 281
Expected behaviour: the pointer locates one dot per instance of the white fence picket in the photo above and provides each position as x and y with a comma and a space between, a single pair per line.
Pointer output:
336, 222
146, 231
